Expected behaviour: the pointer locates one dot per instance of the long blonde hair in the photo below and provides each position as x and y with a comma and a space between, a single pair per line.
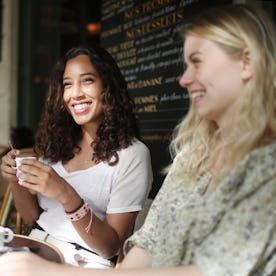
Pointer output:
234, 28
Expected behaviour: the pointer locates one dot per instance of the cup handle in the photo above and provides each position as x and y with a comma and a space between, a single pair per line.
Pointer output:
8, 235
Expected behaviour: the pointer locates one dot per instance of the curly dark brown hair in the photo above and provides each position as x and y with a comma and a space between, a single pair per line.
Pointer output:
58, 135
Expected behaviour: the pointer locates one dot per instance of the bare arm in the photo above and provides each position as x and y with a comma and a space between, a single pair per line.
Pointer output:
137, 257
138, 261
25, 264
106, 237
26, 203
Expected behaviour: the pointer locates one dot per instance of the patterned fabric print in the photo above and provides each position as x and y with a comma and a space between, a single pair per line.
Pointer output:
233, 222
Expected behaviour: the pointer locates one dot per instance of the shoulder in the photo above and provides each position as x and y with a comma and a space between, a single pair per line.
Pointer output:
135, 157
136, 149
260, 163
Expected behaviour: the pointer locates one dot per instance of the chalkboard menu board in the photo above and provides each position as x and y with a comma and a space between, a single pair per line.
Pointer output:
144, 38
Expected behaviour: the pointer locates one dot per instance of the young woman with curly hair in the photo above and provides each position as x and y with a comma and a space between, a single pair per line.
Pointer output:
93, 174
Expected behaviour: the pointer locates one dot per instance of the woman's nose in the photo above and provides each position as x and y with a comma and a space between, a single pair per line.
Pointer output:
77, 90
186, 78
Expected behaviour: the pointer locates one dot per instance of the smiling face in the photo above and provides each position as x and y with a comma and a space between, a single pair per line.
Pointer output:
82, 88
214, 79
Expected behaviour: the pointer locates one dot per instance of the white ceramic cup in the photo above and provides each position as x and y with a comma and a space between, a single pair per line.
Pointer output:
6, 235
18, 161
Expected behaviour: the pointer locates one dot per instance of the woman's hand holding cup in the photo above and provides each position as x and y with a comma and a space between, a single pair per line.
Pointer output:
18, 161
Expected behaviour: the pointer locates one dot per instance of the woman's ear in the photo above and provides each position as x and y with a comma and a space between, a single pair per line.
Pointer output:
247, 70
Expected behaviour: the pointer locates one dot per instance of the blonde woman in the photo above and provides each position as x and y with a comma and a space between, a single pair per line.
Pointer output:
215, 213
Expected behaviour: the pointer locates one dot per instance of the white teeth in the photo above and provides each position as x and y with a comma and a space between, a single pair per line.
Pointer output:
81, 106
197, 94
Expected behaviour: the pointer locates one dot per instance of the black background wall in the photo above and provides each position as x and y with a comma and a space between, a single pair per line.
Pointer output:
147, 45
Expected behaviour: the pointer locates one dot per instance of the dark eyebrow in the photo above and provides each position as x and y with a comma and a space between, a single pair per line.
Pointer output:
82, 75
88, 74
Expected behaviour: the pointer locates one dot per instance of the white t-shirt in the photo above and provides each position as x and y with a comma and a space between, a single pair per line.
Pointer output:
107, 189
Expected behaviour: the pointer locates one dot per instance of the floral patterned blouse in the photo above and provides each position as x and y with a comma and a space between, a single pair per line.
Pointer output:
230, 230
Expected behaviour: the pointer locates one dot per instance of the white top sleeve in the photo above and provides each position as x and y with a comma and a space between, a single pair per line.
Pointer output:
134, 180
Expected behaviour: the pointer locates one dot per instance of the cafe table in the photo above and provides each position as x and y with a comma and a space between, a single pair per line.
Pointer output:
41, 248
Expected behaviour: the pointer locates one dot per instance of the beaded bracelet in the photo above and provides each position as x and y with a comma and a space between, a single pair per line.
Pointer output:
75, 210
88, 227
80, 213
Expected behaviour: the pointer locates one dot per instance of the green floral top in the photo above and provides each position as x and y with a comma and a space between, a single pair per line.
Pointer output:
230, 230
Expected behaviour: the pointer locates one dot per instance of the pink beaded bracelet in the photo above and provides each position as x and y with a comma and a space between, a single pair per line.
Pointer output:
88, 227
80, 213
